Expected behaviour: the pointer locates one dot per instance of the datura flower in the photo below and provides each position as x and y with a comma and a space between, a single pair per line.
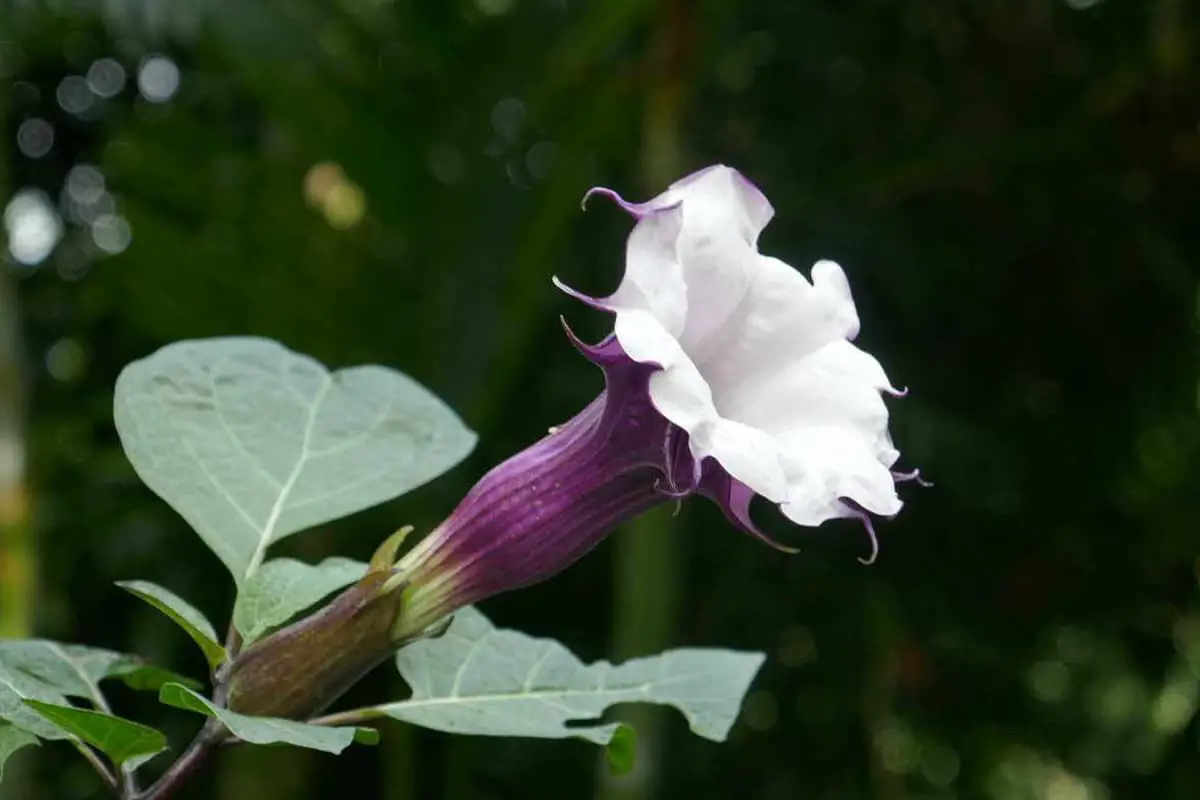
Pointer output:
728, 374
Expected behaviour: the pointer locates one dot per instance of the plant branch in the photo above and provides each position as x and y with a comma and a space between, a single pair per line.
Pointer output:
187, 764
210, 736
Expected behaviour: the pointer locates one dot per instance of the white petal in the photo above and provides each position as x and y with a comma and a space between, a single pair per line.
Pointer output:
746, 453
825, 463
680, 394
819, 389
678, 391
653, 279
781, 319
723, 215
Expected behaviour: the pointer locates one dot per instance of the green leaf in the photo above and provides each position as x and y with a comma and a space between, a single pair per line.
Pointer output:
478, 679
12, 739
119, 739
621, 752
76, 671
149, 678
182, 614
70, 669
251, 442
269, 730
17, 686
284, 587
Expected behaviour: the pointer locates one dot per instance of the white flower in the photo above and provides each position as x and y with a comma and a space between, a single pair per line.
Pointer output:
757, 361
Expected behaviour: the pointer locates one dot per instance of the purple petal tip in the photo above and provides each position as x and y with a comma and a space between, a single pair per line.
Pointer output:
866, 521
914, 475
604, 192
595, 302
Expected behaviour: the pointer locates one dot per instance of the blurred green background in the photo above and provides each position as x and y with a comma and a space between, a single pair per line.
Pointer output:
1010, 184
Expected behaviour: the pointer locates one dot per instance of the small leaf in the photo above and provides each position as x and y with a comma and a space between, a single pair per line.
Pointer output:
478, 679
284, 587
119, 739
621, 751
149, 678
251, 442
182, 614
269, 730
12, 739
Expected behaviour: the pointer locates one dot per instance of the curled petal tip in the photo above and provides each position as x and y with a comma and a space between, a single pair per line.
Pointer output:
586, 299
899, 393
866, 521
777, 545
575, 341
914, 475
600, 190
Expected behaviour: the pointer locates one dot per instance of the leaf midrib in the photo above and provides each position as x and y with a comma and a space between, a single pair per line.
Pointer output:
267, 532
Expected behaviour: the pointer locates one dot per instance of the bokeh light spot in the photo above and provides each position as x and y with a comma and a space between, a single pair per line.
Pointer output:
761, 711
797, 647
899, 750
33, 226
111, 233
66, 360
106, 77
507, 117
447, 164
158, 79
342, 201
1049, 681
74, 95
35, 137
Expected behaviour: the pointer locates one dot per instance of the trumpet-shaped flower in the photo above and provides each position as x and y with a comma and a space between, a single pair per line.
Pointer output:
729, 374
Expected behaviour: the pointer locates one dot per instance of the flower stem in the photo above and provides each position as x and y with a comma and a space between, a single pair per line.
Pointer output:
356, 716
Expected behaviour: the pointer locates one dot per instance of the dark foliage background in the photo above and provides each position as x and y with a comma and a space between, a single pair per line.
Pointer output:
1010, 185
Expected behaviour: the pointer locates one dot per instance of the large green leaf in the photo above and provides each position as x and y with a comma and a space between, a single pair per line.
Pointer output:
76, 670
12, 739
17, 686
251, 442
269, 730
183, 614
478, 679
284, 587
70, 669
119, 739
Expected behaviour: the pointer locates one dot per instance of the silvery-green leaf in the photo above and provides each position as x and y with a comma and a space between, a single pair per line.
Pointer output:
269, 730
76, 670
17, 686
285, 587
251, 442
12, 739
119, 739
182, 613
478, 679
70, 669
